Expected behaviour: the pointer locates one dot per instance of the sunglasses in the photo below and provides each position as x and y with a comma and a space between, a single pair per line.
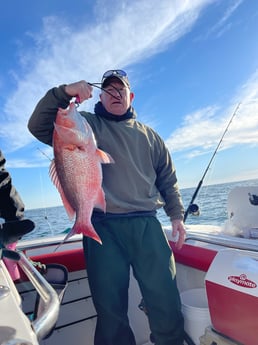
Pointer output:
115, 73
110, 73
119, 73
97, 85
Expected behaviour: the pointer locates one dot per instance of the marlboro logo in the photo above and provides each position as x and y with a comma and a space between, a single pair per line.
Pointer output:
242, 281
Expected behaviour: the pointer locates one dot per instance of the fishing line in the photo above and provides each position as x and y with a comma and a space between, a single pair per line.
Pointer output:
42, 193
44, 203
44, 154
102, 88
77, 98
208, 166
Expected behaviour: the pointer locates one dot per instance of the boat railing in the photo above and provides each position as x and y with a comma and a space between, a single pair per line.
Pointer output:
223, 240
44, 323
55, 241
217, 239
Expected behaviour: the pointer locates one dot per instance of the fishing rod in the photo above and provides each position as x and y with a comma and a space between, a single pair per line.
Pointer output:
193, 208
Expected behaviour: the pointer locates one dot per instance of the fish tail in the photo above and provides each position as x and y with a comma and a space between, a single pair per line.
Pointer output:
86, 230
94, 236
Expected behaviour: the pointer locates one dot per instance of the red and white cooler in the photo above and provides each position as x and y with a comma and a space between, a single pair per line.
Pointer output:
232, 291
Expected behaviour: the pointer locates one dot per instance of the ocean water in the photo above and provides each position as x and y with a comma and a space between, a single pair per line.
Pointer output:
212, 202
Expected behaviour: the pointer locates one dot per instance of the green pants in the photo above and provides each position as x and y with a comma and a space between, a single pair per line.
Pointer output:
140, 243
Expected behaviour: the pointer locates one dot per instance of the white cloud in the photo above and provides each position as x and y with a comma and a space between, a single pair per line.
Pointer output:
130, 33
223, 24
202, 130
62, 53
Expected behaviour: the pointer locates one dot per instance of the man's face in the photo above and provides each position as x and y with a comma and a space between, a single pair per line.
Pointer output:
118, 98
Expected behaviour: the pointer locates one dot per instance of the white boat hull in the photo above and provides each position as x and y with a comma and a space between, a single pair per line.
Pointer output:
77, 318
194, 263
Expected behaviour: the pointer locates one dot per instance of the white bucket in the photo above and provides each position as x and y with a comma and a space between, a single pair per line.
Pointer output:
196, 313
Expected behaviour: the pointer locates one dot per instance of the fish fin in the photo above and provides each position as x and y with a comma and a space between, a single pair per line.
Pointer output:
100, 201
54, 177
105, 158
90, 232
86, 230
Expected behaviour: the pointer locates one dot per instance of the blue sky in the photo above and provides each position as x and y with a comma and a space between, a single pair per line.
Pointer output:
190, 64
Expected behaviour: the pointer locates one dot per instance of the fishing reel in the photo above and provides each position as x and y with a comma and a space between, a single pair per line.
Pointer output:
194, 210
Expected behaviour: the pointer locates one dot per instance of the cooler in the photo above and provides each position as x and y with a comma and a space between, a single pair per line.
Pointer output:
232, 291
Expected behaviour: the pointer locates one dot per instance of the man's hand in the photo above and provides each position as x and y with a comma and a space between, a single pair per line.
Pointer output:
178, 232
80, 89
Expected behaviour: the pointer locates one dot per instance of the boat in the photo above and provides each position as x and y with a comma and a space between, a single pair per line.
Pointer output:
216, 275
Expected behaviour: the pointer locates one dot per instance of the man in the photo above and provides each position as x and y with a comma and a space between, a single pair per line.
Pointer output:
141, 180
11, 209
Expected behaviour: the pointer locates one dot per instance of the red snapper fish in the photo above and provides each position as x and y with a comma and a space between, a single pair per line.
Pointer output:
76, 170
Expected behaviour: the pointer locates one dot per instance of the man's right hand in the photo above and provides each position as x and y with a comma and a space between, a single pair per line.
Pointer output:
81, 90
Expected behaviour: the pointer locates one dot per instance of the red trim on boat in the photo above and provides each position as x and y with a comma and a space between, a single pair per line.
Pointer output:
72, 259
190, 255
193, 256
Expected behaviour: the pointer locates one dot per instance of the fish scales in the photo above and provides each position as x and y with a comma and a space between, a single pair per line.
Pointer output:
76, 170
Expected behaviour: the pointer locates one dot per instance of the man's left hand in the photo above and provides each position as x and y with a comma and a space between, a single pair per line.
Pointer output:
178, 232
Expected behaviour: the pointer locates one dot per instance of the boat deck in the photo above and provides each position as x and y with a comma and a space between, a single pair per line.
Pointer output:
77, 316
